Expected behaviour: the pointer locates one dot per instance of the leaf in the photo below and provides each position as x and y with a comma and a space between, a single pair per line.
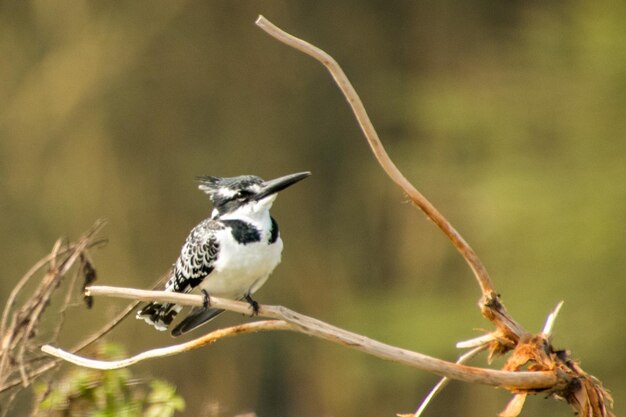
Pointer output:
163, 401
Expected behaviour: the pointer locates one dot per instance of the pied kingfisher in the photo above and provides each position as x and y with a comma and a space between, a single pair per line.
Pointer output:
231, 254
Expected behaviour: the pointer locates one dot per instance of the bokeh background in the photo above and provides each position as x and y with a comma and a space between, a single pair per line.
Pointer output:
509, 116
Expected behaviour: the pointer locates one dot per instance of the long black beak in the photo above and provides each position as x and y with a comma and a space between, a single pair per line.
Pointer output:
273, 186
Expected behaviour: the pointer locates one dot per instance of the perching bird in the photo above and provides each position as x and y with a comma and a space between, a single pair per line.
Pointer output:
231, 254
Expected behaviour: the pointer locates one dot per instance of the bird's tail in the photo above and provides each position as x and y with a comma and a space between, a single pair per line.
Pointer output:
197, 317
159, 315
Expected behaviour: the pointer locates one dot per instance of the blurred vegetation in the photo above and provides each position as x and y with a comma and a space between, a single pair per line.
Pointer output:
108, 393
509, 116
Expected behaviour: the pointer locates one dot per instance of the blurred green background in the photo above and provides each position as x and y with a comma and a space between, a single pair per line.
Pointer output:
509, 116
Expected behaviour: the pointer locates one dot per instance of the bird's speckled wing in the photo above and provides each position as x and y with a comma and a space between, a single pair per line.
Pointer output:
195, 262
196, 258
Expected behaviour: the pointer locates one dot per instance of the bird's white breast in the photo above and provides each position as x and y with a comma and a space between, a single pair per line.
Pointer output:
241, 269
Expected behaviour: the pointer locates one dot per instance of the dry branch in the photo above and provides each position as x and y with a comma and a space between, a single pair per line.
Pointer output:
23, 313
379, 151
211, 337
19, 326
585, 393
303, 324
88, 341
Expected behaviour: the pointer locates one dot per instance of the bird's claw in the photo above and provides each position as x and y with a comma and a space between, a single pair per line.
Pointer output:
206, 299
253, 304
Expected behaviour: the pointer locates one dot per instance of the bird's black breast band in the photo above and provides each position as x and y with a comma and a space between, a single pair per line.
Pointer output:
243, 232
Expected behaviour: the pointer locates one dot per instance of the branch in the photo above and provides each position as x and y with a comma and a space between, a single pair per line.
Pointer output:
88, 341
588, 397
480, 272
303, 324
491, 306
18, 326
214, 336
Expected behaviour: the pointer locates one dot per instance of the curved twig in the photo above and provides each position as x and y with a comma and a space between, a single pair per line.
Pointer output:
214, 336
480, 272
444, 381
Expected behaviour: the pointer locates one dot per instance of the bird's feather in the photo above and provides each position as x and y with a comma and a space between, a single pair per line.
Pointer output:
197, 317
194, 264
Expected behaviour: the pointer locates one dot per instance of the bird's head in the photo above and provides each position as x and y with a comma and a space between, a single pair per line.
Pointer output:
245, 194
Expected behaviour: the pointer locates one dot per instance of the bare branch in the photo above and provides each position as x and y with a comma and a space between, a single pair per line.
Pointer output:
514, 407
19, 326
491, 307
534, 365
313, 327
480, 272
88, 341
169, 350
534, 351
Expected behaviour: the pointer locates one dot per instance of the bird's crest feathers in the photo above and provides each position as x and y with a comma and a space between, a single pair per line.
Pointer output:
225, 186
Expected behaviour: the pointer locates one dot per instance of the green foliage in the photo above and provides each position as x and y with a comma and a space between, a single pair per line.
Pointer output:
108, 393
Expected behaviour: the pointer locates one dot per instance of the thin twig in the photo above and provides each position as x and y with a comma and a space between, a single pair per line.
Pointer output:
104, 330
317, 328
444, 381
19, 286
35, 373
480, 272
547, 328
40, 301
18, 326
214, 336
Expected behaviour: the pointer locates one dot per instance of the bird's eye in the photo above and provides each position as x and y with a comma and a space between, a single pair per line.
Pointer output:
241, 195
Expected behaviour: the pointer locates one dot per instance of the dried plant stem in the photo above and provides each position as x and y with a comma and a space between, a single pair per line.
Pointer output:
444, 381
313, 327
18, 326
480, 272
97, 335
509, 334
490, 305
214, 336
80, 346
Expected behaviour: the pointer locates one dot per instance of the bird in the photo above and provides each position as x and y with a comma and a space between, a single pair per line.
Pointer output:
230, 254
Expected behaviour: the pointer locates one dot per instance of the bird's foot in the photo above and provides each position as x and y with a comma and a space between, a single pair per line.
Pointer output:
206, 299
253, 304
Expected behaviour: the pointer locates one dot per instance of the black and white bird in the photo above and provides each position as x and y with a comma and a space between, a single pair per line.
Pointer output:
231, 254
